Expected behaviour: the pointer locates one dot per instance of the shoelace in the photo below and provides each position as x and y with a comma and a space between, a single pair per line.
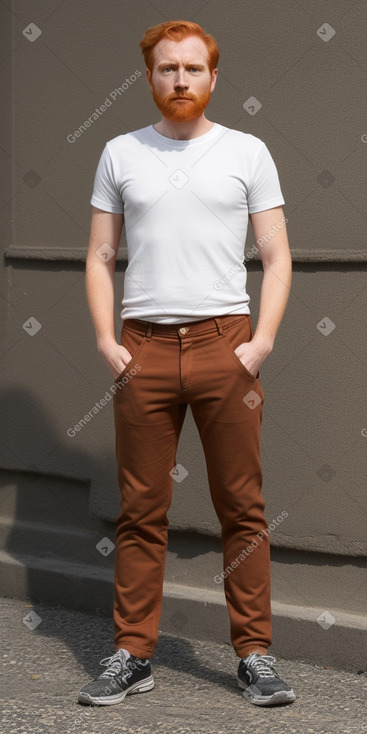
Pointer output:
115, 665
263, 665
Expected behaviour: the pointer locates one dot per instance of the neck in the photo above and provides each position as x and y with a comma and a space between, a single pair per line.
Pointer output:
185, 130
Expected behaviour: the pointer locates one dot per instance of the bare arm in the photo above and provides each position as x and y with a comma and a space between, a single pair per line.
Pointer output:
105, 230
270, 232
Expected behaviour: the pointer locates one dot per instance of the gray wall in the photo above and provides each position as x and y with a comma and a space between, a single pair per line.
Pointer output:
313, 119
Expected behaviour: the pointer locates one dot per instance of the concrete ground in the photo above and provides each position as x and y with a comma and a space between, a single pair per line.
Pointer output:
44, 663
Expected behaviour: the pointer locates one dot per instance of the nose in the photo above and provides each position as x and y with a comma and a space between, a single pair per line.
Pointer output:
181, 82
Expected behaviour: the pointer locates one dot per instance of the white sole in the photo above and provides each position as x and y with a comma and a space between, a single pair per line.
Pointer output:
139, 687
277, 698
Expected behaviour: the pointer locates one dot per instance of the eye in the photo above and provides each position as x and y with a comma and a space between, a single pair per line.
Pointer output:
192, 68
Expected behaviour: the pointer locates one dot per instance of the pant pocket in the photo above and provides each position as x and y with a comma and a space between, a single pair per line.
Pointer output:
237, 333
134, 342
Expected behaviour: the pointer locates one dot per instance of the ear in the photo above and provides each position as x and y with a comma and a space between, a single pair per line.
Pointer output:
149, 78
214, 79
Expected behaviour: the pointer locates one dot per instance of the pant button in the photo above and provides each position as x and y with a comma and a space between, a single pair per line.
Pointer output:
183, 330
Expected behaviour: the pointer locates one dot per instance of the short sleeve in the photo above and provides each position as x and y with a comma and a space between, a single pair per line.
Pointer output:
264, 190
106, 195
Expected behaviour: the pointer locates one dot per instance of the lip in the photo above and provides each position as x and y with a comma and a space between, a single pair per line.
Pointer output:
184, 98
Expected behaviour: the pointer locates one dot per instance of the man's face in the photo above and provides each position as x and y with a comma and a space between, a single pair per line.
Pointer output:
181, 82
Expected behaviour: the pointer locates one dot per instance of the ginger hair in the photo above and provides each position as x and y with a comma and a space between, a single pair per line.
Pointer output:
176, 30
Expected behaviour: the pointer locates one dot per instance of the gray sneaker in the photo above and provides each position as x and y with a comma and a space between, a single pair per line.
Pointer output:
261, 683
125, 674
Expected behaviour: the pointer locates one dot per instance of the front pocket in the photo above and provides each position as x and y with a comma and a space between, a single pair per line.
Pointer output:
234, 335
134, 342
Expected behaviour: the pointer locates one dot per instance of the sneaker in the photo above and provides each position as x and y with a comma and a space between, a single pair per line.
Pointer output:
125, 674
261, 682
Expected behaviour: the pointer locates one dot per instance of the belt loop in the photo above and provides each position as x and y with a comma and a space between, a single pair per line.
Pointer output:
148, 332
219, 325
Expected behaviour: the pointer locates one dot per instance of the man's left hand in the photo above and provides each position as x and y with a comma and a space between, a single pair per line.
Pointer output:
252, 354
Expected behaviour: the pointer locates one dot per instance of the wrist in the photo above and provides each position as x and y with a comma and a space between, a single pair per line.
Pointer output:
263, 344
105, 342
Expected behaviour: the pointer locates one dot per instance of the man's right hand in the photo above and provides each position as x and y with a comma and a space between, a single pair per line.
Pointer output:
115, 355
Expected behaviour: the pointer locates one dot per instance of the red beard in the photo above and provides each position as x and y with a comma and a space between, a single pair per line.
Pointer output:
183, 111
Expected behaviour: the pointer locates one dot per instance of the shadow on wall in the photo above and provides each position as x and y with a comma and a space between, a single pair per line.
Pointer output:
54, 550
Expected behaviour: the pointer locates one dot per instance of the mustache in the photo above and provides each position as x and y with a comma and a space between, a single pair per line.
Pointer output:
178, 96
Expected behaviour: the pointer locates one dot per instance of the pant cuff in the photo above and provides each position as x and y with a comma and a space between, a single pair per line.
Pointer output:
139, 652
252, 648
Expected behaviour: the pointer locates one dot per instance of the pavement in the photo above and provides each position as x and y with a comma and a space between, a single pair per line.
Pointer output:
45, 663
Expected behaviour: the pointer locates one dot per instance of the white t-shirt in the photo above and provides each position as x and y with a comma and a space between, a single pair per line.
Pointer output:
186, 206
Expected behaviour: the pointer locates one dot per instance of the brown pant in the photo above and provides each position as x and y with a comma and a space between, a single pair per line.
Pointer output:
172, 366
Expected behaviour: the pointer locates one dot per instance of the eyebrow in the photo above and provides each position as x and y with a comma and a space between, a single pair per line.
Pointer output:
173, 63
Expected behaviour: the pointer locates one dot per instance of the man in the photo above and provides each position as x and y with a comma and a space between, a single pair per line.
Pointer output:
185, 187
